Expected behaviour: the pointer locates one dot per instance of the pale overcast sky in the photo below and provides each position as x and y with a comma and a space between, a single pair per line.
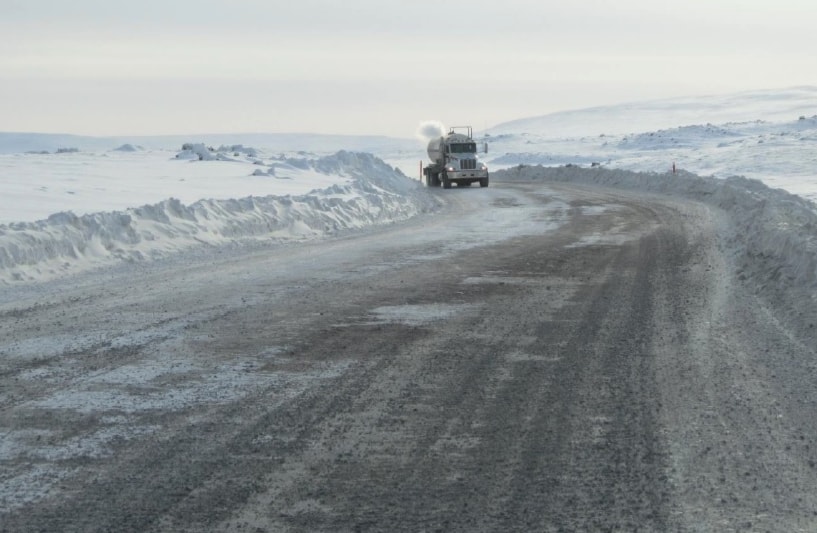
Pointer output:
110, 67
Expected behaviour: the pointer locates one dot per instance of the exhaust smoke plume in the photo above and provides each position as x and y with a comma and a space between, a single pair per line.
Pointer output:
430, 129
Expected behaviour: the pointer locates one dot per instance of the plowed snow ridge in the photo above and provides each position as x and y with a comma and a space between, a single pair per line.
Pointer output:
64, 243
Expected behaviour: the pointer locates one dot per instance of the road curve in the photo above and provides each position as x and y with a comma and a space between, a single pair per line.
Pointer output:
537, 357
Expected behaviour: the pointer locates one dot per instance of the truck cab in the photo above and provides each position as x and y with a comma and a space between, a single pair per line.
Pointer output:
455, 160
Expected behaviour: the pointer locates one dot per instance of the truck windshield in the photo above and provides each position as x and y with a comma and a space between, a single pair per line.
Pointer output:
464, 148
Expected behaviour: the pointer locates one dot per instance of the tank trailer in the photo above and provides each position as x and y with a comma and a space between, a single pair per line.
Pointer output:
454, 160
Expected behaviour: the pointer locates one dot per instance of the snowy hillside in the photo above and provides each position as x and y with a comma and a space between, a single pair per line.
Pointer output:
768, 136
772, 106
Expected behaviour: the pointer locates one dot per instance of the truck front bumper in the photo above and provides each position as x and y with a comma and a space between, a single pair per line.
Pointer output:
467, 174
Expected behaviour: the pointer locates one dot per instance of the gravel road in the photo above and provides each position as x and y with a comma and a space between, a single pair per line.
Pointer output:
537, 357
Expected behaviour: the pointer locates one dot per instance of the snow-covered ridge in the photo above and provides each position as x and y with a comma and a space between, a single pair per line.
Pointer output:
781, 154
769, 106
373, 193
773, 236
11, 142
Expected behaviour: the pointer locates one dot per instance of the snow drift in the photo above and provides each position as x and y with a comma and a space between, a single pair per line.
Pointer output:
773, 238
374, 193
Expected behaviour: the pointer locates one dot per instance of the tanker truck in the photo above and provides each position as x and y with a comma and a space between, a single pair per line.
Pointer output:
454, 160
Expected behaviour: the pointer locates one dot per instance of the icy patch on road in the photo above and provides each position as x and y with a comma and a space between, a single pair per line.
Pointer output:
144, 373
501, 280
37, 445
417, 315
526, 357
228, 384
595, 210
122, 401
49, 346
134, 389
513, 215
597, 239
32, 485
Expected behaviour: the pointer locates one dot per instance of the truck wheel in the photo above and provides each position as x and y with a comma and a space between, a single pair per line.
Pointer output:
483, 182
446, 182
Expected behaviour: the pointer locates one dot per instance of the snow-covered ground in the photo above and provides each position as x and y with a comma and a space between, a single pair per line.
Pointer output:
125, 205
37, 186
770, 136
70, 203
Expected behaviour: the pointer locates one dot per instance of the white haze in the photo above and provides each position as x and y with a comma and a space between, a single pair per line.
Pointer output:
184, 66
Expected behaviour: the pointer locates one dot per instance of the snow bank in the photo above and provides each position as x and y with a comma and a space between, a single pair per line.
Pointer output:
682, 137
196, 151
547, 159
127, 147
773, 237
237, 149
374, 193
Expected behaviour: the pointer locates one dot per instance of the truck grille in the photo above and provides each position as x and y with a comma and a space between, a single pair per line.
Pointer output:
468, 164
